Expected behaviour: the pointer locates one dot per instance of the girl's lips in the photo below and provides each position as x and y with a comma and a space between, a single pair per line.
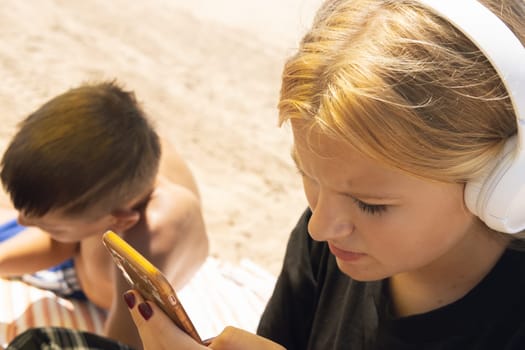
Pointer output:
344, 254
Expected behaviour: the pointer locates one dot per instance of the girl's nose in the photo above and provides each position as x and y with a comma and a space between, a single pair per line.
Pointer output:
331, 219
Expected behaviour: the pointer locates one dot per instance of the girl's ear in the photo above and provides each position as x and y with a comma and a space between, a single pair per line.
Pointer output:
124, 219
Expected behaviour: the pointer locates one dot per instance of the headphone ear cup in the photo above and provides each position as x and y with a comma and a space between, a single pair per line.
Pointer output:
473, 190
494, 195
476, 189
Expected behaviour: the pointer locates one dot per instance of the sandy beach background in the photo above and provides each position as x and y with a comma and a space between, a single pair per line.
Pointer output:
206, 71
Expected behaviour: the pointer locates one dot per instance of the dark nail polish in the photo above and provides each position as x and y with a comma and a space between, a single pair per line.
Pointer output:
145, 310
129, 298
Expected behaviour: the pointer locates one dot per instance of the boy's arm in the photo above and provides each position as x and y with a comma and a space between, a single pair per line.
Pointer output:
182, 245
119, 324
178, 248
30, 251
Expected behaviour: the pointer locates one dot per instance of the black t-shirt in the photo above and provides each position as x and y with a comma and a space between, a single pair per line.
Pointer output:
315, 306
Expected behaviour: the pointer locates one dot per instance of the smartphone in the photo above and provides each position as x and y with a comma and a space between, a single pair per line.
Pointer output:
148, 281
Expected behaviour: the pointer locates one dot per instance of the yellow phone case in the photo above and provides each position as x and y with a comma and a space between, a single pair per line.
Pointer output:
149, 281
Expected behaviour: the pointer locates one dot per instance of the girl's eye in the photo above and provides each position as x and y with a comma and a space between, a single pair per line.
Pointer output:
371, 209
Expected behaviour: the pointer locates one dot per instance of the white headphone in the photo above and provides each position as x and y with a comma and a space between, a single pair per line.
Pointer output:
497, 197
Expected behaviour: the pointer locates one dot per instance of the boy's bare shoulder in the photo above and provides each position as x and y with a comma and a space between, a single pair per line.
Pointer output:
172, 215
175, 169
175, 234
171, 203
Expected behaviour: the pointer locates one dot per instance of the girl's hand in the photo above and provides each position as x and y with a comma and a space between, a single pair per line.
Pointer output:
232, 338
158, 332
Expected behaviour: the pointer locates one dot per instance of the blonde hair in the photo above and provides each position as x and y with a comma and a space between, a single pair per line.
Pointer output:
403, 86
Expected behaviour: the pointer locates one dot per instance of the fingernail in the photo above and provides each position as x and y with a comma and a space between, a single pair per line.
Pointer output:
145, 310
129, 298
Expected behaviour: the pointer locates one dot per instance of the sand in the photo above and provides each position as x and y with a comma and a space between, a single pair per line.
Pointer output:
208, 74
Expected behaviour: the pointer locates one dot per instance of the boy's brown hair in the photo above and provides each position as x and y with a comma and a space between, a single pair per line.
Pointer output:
86, 151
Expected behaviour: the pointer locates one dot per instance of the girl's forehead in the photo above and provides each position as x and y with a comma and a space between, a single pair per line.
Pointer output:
310, 140
316, 152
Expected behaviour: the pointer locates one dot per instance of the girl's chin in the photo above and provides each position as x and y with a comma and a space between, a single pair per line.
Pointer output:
360, 273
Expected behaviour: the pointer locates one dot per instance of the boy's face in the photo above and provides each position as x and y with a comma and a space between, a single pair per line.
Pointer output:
68, 229
377, 221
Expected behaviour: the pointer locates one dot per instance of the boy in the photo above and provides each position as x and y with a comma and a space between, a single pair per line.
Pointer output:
88, 161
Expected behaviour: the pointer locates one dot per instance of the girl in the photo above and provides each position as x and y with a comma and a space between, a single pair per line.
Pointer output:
400, 122
399, 119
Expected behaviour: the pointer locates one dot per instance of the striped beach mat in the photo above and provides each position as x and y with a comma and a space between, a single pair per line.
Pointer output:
23, 306
223, 294
219, 294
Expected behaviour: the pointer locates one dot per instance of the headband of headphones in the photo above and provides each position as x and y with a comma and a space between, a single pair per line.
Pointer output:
497, 42
497, 196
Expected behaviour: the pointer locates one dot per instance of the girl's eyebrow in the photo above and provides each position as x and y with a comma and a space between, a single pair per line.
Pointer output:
373, 197
358, 195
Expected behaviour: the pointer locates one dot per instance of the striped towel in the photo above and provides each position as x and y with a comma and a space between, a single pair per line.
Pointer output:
223, 294
219, 294
23, 306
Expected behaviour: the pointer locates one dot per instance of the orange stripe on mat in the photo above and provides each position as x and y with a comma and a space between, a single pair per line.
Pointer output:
23, 306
